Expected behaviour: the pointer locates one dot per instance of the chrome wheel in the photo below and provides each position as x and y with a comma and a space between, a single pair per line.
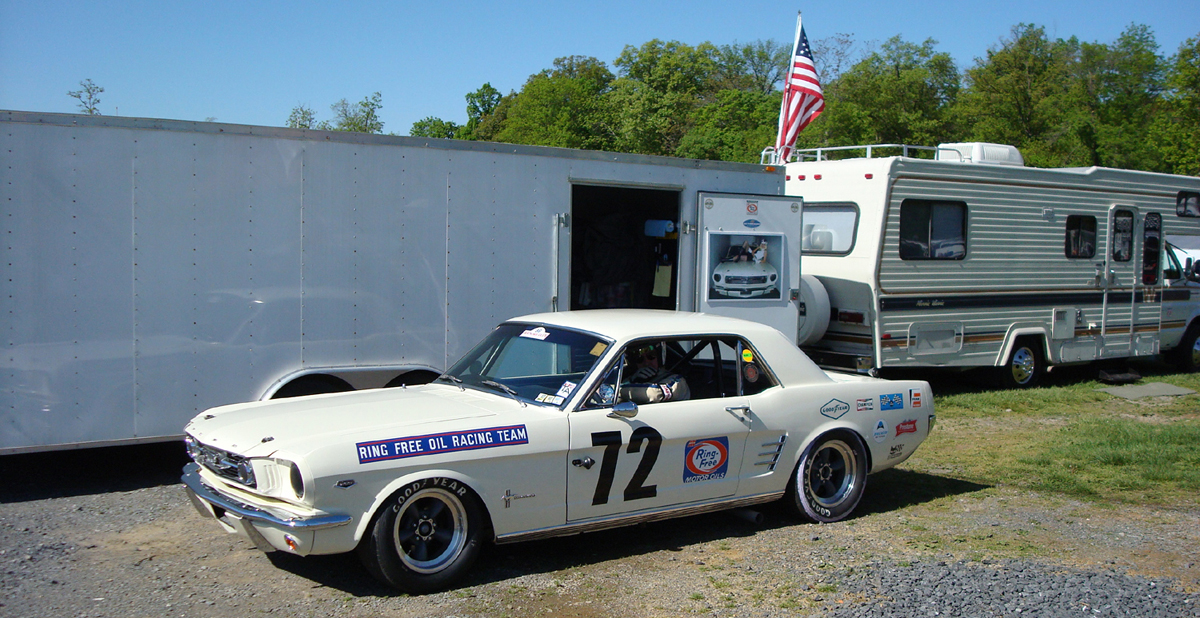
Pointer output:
831, 476
1024, 365
430, 530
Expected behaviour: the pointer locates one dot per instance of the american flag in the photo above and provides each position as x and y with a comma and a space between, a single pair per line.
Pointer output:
803, 100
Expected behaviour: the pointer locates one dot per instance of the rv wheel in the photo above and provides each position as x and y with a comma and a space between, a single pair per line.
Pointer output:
1025, 365
1187, 355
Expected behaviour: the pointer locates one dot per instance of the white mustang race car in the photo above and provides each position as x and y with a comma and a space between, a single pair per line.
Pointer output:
542, 430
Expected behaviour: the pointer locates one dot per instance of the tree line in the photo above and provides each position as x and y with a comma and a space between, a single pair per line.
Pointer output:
1063, 102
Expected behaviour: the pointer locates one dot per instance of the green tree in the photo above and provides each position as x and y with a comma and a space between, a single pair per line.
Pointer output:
903, 93
88, 96
1174, 130
302, 117
431, 126
480, 104
361, 117
1024, 94
1125, 84
565, 106
755, 67
660, 86
734, 128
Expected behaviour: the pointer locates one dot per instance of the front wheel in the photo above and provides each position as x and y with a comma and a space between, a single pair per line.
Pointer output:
426, 538
830, 478
1187, 355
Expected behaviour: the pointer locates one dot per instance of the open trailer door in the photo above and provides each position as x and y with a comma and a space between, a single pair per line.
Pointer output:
748, 258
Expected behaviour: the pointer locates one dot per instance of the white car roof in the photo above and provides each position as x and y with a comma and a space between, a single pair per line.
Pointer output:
789, 362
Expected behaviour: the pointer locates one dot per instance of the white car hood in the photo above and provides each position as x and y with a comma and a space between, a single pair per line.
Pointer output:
260, 428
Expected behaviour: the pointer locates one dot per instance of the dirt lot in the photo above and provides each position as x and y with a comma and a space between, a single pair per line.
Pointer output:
109, 532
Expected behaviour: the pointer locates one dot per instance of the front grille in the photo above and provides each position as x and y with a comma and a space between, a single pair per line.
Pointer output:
225, 464
744, 280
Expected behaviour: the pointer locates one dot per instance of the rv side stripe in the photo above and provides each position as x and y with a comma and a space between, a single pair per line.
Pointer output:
982, 301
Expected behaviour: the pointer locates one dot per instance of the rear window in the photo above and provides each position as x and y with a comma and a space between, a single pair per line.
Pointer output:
933, 230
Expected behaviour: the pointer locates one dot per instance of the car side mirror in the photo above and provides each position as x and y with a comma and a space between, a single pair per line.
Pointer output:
625, 409
1192, 270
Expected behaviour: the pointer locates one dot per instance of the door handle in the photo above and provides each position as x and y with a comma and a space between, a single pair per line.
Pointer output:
586, 463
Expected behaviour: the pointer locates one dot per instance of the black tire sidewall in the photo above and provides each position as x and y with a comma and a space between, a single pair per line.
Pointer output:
381, 557
1182, 354
801, 502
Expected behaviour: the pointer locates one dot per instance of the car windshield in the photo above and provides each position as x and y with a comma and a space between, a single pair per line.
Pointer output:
529, 362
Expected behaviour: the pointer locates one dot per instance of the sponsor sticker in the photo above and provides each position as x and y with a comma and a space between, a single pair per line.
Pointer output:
538, 333
881, 431
751, 207
914, 397
895, 401
748, 356
706, 460
835, 408
896, 451
548, 398
751, 223
908, 426
437, 443
865, 405
565, 389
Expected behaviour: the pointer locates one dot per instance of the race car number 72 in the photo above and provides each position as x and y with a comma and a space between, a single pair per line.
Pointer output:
611, 441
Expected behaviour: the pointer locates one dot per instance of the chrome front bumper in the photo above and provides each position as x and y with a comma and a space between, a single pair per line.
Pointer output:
211, 503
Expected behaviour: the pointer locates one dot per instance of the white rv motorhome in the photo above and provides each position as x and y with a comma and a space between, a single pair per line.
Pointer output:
960, 256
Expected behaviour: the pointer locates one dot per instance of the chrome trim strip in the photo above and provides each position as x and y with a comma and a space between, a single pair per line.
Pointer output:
617, 522
191, 478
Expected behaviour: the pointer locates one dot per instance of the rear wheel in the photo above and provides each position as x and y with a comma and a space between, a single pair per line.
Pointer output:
426, 538
1187, 355
830, 478
1025, 365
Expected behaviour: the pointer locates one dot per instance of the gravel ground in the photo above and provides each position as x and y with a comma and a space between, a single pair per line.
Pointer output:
109, 532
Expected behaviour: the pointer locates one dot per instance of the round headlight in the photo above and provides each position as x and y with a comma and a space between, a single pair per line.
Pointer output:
772, 278
717, 277
297, 480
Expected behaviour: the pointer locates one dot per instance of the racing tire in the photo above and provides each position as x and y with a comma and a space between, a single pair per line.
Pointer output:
425, 537
1186, 356
1025, 365
830, 478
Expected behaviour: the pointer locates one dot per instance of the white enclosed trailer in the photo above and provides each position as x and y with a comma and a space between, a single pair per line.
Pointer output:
966, 258
153, 269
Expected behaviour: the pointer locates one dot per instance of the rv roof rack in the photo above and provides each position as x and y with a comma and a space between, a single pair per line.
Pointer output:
821, 154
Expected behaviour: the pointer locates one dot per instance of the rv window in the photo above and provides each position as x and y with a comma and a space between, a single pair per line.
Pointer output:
933, 230
828, 228
1151, 247
1081, 236
1122, 236
1187, 204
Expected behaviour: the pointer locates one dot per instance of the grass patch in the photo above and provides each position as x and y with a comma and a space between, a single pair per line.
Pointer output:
1069, 438
1119, 459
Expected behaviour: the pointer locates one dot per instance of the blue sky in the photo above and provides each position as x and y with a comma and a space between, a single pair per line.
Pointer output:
251, 62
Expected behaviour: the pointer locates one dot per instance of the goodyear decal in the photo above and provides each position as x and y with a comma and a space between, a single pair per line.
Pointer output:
434, 444
706, 460
835, 408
